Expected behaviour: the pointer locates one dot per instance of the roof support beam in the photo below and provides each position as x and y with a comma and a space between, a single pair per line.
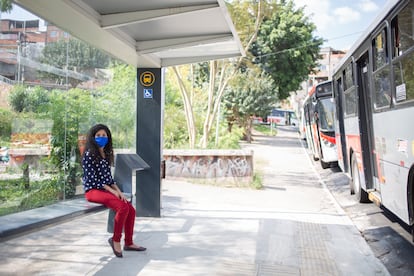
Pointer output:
115, 20
152, 46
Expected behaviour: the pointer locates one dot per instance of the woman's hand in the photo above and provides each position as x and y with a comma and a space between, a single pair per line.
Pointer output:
121, 196
116, 191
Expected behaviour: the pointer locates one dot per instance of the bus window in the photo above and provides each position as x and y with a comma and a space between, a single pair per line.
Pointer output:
350, 102
379, 47
382, 88
348, 77
326, 110
403, 78
402, 30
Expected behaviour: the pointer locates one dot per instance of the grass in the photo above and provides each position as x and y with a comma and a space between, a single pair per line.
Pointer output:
257, 182
266, 129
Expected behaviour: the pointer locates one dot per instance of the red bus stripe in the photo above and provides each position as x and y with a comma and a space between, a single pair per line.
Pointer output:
328, 138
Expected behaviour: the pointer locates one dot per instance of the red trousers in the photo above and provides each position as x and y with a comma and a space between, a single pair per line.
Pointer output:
124, 217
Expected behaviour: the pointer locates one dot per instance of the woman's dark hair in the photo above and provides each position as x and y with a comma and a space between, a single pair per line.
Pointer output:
93, 147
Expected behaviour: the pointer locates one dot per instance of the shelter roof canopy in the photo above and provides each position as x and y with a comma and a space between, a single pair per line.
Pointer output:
154, 34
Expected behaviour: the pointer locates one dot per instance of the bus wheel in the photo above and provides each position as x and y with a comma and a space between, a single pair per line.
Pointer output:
356, 188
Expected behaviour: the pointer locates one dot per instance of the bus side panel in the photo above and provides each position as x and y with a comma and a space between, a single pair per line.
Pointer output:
339, 151
330, 153
394, 146
310, 140
315, 139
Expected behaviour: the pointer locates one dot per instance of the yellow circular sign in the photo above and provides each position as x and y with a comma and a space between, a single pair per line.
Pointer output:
147, 78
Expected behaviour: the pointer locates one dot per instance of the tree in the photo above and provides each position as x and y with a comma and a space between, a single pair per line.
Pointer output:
286, 49
249, 94
6, 5
214, 79
73, 55
69, 109
116, 105
188, 108
28, 99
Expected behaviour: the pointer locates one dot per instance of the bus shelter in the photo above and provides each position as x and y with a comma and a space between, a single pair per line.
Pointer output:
149, 35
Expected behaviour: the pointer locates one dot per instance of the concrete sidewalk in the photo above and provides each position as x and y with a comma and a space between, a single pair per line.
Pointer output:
291, 227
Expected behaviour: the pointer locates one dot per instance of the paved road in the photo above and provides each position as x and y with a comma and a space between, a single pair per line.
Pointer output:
294, 226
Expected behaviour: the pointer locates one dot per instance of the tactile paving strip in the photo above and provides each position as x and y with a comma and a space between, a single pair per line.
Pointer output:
315, 259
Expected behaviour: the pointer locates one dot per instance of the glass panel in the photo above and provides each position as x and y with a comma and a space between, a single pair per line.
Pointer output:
350, 102
404, 78
54, 87
379, 47
348, 77
326, 110
403, 30
382, 88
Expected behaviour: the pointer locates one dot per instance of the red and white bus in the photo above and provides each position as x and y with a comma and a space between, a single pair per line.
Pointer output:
319, 120
374, 94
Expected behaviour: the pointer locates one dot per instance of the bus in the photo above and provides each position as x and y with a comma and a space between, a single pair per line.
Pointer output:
318, 114
374, 95
283, 117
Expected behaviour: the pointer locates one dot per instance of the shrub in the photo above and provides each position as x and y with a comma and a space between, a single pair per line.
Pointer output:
5, 124
45, 194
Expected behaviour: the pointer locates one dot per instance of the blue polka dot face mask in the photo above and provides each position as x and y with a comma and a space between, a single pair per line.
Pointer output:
101, 141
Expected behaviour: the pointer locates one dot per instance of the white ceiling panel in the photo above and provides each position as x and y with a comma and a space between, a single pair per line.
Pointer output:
156, 33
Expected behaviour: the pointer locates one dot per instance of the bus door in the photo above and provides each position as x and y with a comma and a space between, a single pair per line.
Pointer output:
365, 120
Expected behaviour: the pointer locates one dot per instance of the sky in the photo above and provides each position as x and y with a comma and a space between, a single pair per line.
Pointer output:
341, 22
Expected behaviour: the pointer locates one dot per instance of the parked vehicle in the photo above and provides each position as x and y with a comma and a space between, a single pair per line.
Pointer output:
319, 109
283, 117
374, 95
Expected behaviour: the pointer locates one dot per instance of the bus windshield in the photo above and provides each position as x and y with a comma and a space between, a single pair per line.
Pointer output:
326, 109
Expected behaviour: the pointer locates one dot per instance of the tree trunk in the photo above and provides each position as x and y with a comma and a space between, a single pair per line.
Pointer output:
26, 176
227, 70
249, 131
188, 108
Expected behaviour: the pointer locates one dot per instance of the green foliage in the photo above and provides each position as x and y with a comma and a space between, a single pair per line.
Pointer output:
74, 55
249, 94
266, 129
29, 99
175, 132
45, 194
257, 182
227, 139
6, 5
286, 49
14, 197
116, 106
69, 110
201, 74
17, 98
244, 15
5, 124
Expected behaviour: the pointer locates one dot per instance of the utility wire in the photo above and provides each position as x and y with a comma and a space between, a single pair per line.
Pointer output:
304, 46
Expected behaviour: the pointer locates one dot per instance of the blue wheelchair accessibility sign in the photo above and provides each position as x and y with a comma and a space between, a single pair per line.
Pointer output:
147, 93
